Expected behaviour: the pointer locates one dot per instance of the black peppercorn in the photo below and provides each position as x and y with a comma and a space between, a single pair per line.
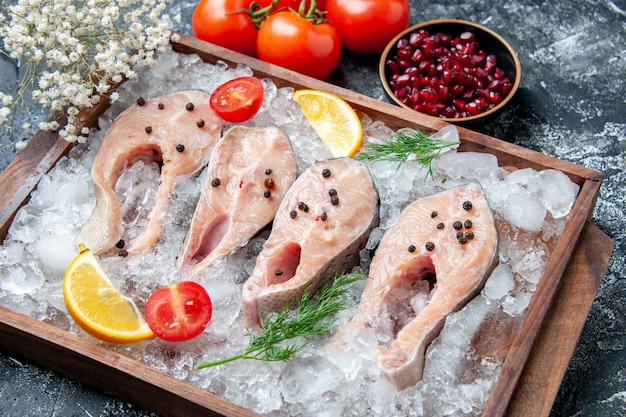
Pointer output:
412, 248
141, 101
334, 200
457, 225
278, 272
180, 147
189, 107
161, 106
267, 193
303, 207
469, 235
324, 216
433, 214
293, 214
440, 226
332, 192
463, 240
467, 205
216, 182
429, 246
200, 123
148, 129
468, 224
123, 253
268, 171
269, 183
120, 244
459, 235
326, 173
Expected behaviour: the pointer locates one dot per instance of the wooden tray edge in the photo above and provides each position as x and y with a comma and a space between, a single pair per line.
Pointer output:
111, 372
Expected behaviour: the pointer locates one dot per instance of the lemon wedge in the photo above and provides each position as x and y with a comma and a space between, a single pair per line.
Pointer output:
97, 307
335, 122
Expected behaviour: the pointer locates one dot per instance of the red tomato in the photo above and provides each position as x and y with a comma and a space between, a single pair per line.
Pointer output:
237, 100
291, 41
367, 26
217, 21
178, 312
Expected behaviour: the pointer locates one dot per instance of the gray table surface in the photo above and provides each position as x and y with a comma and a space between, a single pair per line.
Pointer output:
571, 105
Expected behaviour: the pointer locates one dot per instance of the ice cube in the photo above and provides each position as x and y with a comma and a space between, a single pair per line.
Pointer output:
500, 282
55, 251
556, 190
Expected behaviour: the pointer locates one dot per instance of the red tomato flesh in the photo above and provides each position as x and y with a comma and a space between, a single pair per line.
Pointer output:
179, 312
237, 100
367, 26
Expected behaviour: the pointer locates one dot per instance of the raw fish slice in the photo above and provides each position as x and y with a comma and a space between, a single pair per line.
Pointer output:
423, 270
250, 171
322, 223
178, 131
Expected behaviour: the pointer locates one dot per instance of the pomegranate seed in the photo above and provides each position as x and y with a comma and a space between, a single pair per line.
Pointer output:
459, 104
432, 41
424, 66
473, 108
446, 76
498, 74
482, 103
457, 90
417, 56
430, 108
467, 37
425, 80
404, 64
495, 85
414, 97
494, 97
404, 53
507, 86
402, 44
415, 40
442, 93
429, 94
412, 72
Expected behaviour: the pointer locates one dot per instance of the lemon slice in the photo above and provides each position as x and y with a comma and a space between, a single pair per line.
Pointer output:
97, 307
335, 122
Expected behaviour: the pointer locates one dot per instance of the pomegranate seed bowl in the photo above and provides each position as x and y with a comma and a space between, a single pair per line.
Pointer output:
452, 69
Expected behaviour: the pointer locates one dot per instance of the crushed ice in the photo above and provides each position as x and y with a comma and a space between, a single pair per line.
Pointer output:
462, 362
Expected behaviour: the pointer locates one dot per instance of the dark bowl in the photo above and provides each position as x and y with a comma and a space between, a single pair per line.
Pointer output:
487, 41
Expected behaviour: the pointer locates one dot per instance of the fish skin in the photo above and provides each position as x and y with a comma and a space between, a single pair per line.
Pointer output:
127, 141
229, 215
306, 248
461, 271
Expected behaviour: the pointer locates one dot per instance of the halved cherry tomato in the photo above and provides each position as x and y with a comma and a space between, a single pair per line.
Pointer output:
367, 26
226, 23
300, 43
178, 312
238, 99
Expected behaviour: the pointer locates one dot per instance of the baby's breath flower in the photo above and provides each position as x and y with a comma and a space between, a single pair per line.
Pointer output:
73, 51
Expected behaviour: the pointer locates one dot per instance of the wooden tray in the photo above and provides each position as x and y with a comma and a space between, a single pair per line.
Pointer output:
82, 359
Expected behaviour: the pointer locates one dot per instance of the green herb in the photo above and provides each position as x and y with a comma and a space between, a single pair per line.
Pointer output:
314, 318
405, 144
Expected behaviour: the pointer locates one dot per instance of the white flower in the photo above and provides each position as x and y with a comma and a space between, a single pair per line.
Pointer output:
89, 45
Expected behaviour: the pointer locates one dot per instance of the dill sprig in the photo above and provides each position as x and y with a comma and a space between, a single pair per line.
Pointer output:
404, 144
314, 318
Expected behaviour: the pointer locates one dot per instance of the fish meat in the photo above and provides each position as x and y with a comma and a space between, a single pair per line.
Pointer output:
429, 263
321, 225
178, 131
249, 173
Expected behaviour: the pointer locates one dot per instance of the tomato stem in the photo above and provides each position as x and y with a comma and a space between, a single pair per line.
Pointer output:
257, 13
313, 15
